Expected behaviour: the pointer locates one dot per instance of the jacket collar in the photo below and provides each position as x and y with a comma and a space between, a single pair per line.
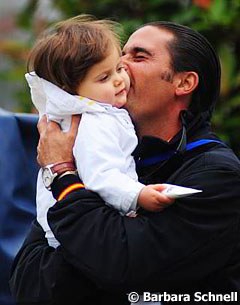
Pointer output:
197, 127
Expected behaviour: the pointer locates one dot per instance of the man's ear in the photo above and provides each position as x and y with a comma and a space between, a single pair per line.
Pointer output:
186, 82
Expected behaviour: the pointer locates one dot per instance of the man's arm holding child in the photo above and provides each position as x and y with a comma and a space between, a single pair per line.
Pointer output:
147, 242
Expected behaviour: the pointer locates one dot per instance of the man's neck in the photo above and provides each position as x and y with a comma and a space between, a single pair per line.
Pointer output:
162, 130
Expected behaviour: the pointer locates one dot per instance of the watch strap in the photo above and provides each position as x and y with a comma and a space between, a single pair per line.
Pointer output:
62, 167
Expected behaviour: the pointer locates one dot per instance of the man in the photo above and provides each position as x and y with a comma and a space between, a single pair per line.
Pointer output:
190, 250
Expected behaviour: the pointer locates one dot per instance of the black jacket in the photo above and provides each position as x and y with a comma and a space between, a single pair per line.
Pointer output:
192, 246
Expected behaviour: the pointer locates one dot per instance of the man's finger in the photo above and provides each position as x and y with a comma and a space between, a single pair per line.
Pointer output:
74, 125
53, 126
42, 124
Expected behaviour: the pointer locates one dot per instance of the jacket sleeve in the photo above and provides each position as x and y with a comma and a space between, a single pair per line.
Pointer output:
187, 242
40, 275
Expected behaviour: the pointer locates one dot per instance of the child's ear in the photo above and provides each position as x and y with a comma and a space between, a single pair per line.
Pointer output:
186, 82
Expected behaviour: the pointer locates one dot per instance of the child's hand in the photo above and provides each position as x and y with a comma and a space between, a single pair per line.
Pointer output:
150, 198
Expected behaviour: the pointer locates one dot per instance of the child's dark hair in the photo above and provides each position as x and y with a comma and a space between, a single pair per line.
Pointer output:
65, 52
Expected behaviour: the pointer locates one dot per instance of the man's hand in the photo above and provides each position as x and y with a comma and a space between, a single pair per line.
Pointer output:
55, 145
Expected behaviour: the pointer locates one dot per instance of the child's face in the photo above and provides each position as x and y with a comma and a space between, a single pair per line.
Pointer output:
106, 81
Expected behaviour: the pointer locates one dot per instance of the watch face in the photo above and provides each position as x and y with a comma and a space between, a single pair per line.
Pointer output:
47, 177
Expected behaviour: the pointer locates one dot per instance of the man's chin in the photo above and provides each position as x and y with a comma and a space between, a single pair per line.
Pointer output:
129, 108
126, 106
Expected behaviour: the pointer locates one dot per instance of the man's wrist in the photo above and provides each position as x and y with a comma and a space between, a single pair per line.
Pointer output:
68, 172
52, 171
62, 167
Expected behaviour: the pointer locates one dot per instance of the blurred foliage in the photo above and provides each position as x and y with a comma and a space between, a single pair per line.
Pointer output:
218, 20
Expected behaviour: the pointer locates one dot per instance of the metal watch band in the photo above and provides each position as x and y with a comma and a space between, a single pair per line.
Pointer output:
67, 173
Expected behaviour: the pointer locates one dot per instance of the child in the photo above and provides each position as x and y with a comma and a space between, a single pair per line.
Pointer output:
78, 70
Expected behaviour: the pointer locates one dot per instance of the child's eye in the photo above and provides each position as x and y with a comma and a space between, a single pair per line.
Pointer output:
104, 78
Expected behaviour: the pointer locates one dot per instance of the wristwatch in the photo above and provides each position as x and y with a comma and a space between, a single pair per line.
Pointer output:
51, 171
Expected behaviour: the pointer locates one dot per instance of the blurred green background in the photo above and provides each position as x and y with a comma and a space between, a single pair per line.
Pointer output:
219, 20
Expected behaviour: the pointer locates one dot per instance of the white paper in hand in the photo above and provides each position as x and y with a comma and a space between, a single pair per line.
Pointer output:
176, 191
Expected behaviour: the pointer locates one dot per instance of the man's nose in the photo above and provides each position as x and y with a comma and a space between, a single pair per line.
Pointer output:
125, 61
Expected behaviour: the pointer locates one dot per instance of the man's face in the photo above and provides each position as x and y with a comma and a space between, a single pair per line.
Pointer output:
148, 64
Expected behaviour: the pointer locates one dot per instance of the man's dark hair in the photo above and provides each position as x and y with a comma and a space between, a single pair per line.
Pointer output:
190, 51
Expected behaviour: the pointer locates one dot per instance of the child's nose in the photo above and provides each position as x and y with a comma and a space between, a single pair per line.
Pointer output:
118, 80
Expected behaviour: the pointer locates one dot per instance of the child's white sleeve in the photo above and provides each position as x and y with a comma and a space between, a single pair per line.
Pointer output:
103, 163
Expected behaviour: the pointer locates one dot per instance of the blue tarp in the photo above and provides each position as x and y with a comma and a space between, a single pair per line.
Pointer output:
18, 174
